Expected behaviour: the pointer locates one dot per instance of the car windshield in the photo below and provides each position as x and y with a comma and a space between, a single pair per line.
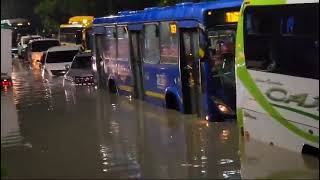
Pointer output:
61, 56
81, 62
39, 46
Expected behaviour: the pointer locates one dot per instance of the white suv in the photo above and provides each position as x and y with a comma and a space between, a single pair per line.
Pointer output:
24, 42
57, 59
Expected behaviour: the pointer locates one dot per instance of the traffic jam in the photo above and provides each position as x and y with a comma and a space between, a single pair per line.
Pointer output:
212, 89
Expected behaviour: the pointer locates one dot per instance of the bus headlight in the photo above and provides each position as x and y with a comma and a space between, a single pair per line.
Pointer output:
223, 108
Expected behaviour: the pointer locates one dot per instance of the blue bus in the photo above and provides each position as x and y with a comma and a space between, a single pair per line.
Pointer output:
179, 57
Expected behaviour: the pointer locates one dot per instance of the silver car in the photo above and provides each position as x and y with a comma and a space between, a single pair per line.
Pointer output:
80, 73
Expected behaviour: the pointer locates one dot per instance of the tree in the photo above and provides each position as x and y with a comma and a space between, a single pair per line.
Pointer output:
168, 2
46, 10
55, 12
173, 2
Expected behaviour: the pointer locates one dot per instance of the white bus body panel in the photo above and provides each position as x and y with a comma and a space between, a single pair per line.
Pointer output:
6, 58
10, 130
261, 126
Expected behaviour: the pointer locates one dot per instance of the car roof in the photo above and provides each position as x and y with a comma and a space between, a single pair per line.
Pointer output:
30, 36
63, 48
37, 40
86, 54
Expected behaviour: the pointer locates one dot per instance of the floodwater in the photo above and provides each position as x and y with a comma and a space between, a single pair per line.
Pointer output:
53, 131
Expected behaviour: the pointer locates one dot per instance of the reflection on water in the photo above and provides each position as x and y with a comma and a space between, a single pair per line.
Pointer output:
270, 162
83, 132
10, 130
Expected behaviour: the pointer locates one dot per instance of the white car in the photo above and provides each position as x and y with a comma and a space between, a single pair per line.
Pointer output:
22, 45
58, 59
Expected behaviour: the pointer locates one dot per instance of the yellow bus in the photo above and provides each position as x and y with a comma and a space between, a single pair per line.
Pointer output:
77, 32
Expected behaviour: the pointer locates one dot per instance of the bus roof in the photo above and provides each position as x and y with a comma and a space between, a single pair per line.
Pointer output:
83, 21
183, 11
80, 19
5, 26
15, 22
71, 26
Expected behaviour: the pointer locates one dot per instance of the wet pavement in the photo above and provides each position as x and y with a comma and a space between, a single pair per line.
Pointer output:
52, 130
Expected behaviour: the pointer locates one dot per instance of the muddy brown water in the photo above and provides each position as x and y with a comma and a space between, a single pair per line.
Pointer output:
49, 130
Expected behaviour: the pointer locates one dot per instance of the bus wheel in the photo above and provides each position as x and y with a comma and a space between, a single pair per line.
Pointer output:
112, 86
171, 102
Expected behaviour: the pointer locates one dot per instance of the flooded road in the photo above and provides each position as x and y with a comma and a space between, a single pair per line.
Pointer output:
54, 131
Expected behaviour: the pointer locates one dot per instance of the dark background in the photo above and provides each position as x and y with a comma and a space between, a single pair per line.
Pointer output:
63, 9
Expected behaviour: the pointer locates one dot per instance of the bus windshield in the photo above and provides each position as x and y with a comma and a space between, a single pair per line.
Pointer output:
221, 51
81, 62
39, 46
61, 56
71, 35
283, 39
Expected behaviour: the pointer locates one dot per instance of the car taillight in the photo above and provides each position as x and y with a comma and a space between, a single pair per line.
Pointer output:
6, 83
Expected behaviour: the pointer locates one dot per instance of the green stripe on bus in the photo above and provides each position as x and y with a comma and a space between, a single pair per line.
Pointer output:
297, 111
244, 76
240, 118
267, 2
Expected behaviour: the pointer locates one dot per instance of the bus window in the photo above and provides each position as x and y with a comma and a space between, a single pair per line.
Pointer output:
110, 44
168, 43
151, 50
289, 45
123, 43
222, 51
89, 40
78, 37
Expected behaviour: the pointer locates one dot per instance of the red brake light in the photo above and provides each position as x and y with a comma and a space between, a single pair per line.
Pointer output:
6, 83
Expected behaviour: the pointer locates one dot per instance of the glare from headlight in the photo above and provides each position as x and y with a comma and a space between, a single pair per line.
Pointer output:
223, 108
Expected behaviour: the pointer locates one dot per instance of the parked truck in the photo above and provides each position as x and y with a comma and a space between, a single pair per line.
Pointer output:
6, 58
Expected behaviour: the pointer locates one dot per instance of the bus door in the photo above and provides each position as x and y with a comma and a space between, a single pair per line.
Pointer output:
190, 70
136, 64
100, 62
